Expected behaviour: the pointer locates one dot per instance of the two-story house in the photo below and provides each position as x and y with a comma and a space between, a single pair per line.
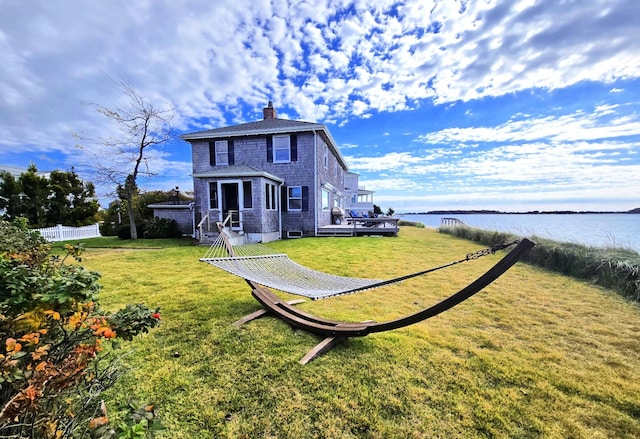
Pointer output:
273, 178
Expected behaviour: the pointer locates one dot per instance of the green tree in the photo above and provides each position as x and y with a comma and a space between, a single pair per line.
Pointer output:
35, 188
10, 196
71, 201
63, 198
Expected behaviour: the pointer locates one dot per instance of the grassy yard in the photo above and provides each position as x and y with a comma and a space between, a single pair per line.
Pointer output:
535, 354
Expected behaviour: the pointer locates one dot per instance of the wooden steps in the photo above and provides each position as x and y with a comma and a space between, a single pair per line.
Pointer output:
335, 231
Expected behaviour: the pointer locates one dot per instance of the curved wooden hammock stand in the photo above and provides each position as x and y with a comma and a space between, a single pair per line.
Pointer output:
336, 331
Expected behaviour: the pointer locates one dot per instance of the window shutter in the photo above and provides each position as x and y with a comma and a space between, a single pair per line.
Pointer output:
212, 153
269, 149
305, 198
284, 200
294, 148
230, 152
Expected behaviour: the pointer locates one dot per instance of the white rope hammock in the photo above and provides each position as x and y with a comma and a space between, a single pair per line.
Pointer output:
254, 263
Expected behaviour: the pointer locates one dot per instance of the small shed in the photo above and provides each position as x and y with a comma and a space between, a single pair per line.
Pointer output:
182, 212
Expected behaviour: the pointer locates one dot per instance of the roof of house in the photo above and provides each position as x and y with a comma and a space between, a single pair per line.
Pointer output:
238, 171
266, 127
172, 205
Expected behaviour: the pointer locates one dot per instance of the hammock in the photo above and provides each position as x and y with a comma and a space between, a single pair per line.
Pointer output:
257, 267
277, 271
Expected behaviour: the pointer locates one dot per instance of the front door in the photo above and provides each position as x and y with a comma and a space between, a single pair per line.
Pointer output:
231, 204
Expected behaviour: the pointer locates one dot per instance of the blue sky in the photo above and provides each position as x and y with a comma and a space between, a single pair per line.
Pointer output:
512, 105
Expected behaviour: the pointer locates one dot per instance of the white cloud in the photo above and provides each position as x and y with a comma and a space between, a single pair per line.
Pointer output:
219, 63
205, 57
570, 127
391, 161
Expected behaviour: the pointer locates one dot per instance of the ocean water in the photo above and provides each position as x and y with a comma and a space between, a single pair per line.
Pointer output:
595, 230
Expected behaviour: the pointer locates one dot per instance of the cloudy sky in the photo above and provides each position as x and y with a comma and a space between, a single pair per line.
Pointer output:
513, 104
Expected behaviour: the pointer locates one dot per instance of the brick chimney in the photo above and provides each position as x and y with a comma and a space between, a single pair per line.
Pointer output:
269, 112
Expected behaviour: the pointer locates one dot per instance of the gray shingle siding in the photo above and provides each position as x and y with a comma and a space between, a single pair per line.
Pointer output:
332, 176
182, 215
251, 161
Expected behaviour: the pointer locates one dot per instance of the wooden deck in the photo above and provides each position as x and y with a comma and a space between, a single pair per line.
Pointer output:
362, 227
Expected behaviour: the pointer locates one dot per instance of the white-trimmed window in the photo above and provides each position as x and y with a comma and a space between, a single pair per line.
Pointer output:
325, 199
281, 149
294, 198
222, 152
270, 196
326, 157
247, 194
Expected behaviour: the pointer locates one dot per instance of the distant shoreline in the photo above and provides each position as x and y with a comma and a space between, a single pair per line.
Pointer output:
531, 212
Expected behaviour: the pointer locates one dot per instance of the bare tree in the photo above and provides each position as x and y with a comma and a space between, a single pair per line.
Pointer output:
120, 159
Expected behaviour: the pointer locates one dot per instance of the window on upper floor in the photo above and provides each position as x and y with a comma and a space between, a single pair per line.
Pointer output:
221, 153
281, 149
326, 157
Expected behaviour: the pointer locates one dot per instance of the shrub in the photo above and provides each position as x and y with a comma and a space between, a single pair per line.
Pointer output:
124, 231
108, 228
52, 334
17, 239
405, 223
161, 228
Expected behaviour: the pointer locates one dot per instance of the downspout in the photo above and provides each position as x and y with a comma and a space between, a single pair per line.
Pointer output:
280, 210
192, 208
315, 182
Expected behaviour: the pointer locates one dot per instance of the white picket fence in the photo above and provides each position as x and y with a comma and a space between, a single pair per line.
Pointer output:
64, 233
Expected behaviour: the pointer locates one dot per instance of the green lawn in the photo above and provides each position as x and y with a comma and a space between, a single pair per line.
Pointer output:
535, 354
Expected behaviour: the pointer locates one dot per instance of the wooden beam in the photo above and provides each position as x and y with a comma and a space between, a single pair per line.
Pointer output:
322, 347
261, 312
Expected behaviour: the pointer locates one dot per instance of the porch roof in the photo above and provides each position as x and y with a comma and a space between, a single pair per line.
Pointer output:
232, 171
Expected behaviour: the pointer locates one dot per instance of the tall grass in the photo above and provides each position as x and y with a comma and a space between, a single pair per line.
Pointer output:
406, 223
617, 269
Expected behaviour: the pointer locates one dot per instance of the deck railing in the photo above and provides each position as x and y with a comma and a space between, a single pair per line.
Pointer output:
451, 222
203, 227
